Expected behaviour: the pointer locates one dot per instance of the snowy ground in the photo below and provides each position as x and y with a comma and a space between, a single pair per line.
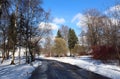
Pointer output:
96, 66
22, 71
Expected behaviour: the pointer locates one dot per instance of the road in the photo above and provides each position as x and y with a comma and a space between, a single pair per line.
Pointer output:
51, 69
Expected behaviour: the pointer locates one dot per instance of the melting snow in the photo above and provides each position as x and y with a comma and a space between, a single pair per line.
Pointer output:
22, 71
96, 66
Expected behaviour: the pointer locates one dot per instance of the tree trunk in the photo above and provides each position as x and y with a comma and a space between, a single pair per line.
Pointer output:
4, 47
3, 57
13, 56
27, 60
7, 54
70, 52
118, 54
19, 53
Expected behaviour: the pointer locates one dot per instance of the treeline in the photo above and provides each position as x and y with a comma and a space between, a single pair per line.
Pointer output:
19, 27
66, 43
101, 38
103, 33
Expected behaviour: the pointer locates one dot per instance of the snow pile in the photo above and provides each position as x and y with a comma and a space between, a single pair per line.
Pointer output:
96, 66
22, 71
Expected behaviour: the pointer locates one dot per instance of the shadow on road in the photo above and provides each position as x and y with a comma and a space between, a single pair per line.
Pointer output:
51, 69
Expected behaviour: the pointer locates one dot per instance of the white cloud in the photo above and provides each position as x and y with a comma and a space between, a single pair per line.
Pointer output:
77, 17
115, 8
80, 19
59, 20
115, 17
51, 26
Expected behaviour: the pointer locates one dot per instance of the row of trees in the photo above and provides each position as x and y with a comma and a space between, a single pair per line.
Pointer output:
103, 32
64, 42
102, 29
19, 27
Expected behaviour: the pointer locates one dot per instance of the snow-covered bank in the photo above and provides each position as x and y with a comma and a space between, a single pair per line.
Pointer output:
96, 66
22, 71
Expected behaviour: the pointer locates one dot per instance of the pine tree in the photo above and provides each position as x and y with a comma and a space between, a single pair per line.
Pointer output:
58, 34
72, 39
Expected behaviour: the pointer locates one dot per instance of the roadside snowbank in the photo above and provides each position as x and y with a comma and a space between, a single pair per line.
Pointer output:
22, 71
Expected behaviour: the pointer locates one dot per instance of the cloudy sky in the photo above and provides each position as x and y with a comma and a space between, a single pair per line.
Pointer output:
70, 12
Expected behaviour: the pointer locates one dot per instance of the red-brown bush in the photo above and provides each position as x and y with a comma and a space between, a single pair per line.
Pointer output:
104, 52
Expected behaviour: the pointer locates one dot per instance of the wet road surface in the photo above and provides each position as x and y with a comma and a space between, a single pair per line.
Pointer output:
51, 69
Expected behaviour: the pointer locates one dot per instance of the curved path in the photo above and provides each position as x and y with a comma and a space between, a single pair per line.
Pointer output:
51, 69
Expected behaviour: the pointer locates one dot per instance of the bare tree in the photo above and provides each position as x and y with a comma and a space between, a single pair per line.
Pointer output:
92, 16
4, 22
115, 27
64, 32
48, 46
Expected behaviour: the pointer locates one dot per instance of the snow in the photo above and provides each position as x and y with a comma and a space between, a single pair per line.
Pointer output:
22, 52
22, 71
86, 62
15, 72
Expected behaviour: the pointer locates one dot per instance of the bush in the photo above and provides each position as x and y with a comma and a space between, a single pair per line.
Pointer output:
104, 52
78, 50
60, 47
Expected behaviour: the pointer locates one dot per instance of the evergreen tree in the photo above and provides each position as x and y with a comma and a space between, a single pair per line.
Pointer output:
58, 34
72, 39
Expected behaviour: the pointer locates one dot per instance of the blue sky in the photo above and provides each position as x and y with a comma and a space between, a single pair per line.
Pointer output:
65, 10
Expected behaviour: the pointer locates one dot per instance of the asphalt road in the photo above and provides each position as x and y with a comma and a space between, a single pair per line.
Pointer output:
51, 69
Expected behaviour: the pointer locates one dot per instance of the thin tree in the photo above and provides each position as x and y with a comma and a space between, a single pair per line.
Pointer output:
13, 35
64, 32
4, 22
48, 46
